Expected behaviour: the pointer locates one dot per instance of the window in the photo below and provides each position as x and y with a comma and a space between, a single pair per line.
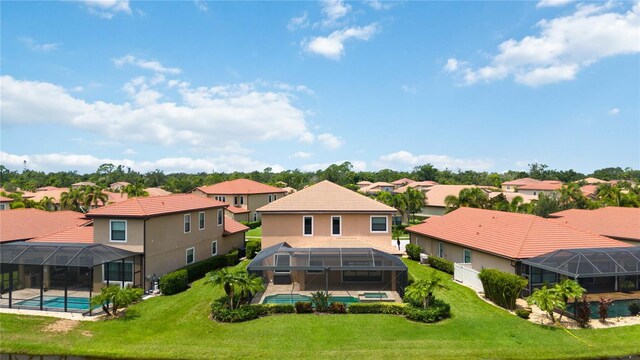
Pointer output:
187, 223
118, 230
201, 220
441, 249
336, 225
534, 193
191, 255
241, 200
361, 276
270, 198
214, 248
307, 226
508, 187
220, 217
283, 260
275, 197
255, 216
378, 224
2, 206
235, 201
466, 256
113, 271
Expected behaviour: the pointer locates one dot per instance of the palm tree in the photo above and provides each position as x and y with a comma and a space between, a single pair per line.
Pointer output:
547, 299
247, 285
72, 200
414, 201
572, 197
567, 289
473, 197
399, 202
48, 203
134, 190
227, 278
92, 195
422, 290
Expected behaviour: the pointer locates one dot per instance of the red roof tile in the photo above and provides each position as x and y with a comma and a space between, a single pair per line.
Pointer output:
23, 224
521, 182
240, 187
541, 186
611, 221
237, 210
511, 235
155, 206
5, 199
80, 234
231, 227
403, 181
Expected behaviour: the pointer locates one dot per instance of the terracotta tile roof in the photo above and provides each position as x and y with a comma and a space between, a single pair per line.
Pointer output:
237, 210
510, 195
79, 234
510, 235
84, 183
423, 185
541, 186
155, 206
231, 227
156, 191
5, 199
521, 182
435, 194
592, 180
23, 224
610, 221
326, 196
589, 190
54, 193
240, 187
375, 187
364, 182
49, 188
120, 183
403, 181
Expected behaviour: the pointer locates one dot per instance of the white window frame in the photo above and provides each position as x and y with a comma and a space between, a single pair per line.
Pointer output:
303, 223
441, 249
270, 198
241, 199
470, 256
275, 262
216, 244
119, 282
184, 223
126, 234
186, 256
220, 217
331, 224
201, 224
386, 219
235, 200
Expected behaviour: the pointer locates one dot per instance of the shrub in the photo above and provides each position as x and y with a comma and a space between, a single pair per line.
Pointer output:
376, 308
321, 300
523, 313
253, 247
440, 264
583, 312
303, 307
117, 297
198, 270
251, 224
627, 286
413, 251
174, 282
634, 308
243, 313
280, 308
437, 311
502, 288
338, 308
603, 308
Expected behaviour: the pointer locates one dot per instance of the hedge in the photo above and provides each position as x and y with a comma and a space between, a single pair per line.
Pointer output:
252, 248
413, 251
376, 308
437, 310
440, 264
239, 314
198, 270
502, 288
174, 282
251, 224
303, 307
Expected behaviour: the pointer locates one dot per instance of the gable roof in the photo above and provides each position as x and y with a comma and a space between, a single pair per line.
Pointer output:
521, 182
435, 195
239, 187
403, 181
543, 185
143, 207
510, 235
5, 199
156, 191
231, 227
610, 221
237, 210
23, 224
592, 180
326, 196
375, 187
78, 234
415, 184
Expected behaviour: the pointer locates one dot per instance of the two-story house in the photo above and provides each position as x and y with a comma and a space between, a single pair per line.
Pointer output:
243, 196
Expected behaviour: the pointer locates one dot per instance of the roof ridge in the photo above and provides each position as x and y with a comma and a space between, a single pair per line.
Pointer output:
526, 235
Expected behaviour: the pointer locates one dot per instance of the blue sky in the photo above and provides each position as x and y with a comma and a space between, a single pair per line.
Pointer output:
224, 86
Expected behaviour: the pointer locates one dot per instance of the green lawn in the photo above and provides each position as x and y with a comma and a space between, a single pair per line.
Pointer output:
254, 233
177, 327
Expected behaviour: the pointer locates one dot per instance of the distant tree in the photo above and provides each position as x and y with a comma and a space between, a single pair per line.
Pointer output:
414, 200
72, 200
93, 196
468, 197
547, 204
425, 173
134, 190
538, 171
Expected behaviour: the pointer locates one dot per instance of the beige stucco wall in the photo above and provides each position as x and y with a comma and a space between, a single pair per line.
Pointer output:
509, 188
535, 192
429, 211
251, 202
453, 252
237, 217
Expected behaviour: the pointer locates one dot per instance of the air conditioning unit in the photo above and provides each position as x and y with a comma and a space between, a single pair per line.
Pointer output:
423, 258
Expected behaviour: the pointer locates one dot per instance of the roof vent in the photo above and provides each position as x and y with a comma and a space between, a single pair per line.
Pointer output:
478, 233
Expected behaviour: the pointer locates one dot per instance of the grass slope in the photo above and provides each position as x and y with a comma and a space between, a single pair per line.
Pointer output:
177, 327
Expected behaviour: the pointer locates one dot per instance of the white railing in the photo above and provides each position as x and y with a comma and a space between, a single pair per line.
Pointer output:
464, 274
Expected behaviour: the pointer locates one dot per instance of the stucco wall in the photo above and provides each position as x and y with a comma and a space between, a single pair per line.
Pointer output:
428, 211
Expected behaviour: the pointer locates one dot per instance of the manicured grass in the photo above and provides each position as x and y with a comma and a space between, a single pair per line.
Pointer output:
252, 233
177, 327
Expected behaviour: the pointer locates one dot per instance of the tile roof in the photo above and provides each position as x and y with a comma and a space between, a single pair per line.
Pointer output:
5, 199
403, 181
78, 234
416, 184
115, 197
541, 186
592, 180
511, 235
22, 224
240, 187
156, 191
589, 190
520, 182
237, 210
375, 187
53, 192
84, 183
510, 195
49, 188
231, 227
610, 221
122, 183
364, 182
435, 195
326, 196
142, 207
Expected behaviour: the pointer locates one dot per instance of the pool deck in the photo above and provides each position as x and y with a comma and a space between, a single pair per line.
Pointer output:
273, 289
635, 295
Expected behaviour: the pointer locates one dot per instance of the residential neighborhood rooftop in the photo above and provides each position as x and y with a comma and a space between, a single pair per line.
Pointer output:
610, 221
239, 186
24, 224
231, 226
78, 234
435, 194
5, 199
543, 185
155, 206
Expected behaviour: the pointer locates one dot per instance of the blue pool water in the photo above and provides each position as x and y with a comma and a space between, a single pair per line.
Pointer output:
75, 303
617, 308
294, 298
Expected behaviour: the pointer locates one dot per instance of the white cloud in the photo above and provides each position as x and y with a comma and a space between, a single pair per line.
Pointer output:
106, 9
357, 165
31, 44
332, 46
63, 161
565, 46
552, 3
330, 141
201, 5
299, 22
301, 155
333, 11
614, 111
152, 65
409, 88
406, 160
129, 152
379, 5
203, 116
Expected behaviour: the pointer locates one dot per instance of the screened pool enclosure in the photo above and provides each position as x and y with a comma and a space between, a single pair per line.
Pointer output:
331, 268
62, 277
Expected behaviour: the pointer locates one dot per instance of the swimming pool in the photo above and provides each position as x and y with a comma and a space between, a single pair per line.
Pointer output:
617, 308
294, 298
74, 303
372, 295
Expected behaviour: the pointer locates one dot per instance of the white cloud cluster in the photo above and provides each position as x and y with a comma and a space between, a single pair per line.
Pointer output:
201, 5
299, 22
106, 9
552, 3
301, 155
32, 44
404, 160
565, 46
330, 141
152, 65
614, 111
379, 5
356, 164
332, 46
333, 11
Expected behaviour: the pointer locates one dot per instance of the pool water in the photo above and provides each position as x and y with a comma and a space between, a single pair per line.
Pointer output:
75, 303
294, 298
617, 308
375, 295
